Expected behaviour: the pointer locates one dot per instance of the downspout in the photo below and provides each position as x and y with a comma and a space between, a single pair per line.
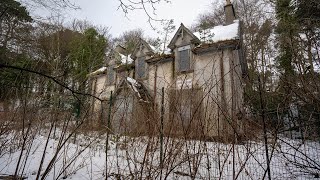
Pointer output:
155, 86
222, 91
94, 89
222, 82
233, 94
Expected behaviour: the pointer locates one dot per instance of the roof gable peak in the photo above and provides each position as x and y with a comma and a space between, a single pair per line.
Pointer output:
180, 32
140, 45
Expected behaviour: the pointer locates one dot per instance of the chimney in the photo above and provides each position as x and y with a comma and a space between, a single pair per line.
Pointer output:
230, 14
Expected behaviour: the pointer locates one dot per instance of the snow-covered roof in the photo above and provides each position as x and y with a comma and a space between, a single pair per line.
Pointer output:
134, 84
125, 59
99, 71
219, 33
139, 89
159, 50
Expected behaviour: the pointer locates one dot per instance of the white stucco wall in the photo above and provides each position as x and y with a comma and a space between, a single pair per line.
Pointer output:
217, 74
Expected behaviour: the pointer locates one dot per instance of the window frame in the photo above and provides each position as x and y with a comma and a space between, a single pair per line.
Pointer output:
186, 106
188, 61
138, 68
109, 71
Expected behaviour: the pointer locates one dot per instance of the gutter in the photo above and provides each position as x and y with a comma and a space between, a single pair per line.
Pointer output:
206, 48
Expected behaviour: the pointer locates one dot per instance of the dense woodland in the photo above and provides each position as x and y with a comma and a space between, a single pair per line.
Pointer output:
44, 67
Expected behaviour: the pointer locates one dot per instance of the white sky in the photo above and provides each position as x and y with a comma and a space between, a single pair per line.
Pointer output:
106, 13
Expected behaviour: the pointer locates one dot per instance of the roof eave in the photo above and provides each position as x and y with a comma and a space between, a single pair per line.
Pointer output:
226, 44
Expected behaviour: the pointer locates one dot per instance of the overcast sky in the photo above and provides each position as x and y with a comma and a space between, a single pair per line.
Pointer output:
106, 13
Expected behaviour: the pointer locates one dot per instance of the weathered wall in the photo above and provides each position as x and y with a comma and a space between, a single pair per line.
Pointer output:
219, 75
103, 91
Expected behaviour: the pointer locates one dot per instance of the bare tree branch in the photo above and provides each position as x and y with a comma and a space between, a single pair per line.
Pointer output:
51, 78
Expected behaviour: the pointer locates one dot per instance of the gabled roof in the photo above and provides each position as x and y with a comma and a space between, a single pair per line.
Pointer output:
139, 90
183, 29
137, 48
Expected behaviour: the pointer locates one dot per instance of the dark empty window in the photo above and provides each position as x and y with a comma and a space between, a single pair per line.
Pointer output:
141, 69
186, 106
184, 60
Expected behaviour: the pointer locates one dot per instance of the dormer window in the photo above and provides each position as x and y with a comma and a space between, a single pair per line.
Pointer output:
141, 68
184, 58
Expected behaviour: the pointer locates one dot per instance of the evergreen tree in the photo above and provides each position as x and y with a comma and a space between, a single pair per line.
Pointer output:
286, 30
87, 54
13, 20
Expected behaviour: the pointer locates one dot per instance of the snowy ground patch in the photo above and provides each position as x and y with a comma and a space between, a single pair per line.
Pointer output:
84, 157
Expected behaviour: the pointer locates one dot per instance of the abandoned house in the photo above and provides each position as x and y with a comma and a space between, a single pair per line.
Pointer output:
194, 89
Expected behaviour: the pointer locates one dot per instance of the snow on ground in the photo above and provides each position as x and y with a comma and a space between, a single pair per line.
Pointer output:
84, 157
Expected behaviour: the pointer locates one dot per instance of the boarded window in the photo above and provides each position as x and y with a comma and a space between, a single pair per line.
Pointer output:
122, 112
185, 111
186, 106
184, 60
141, 69
110, 75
